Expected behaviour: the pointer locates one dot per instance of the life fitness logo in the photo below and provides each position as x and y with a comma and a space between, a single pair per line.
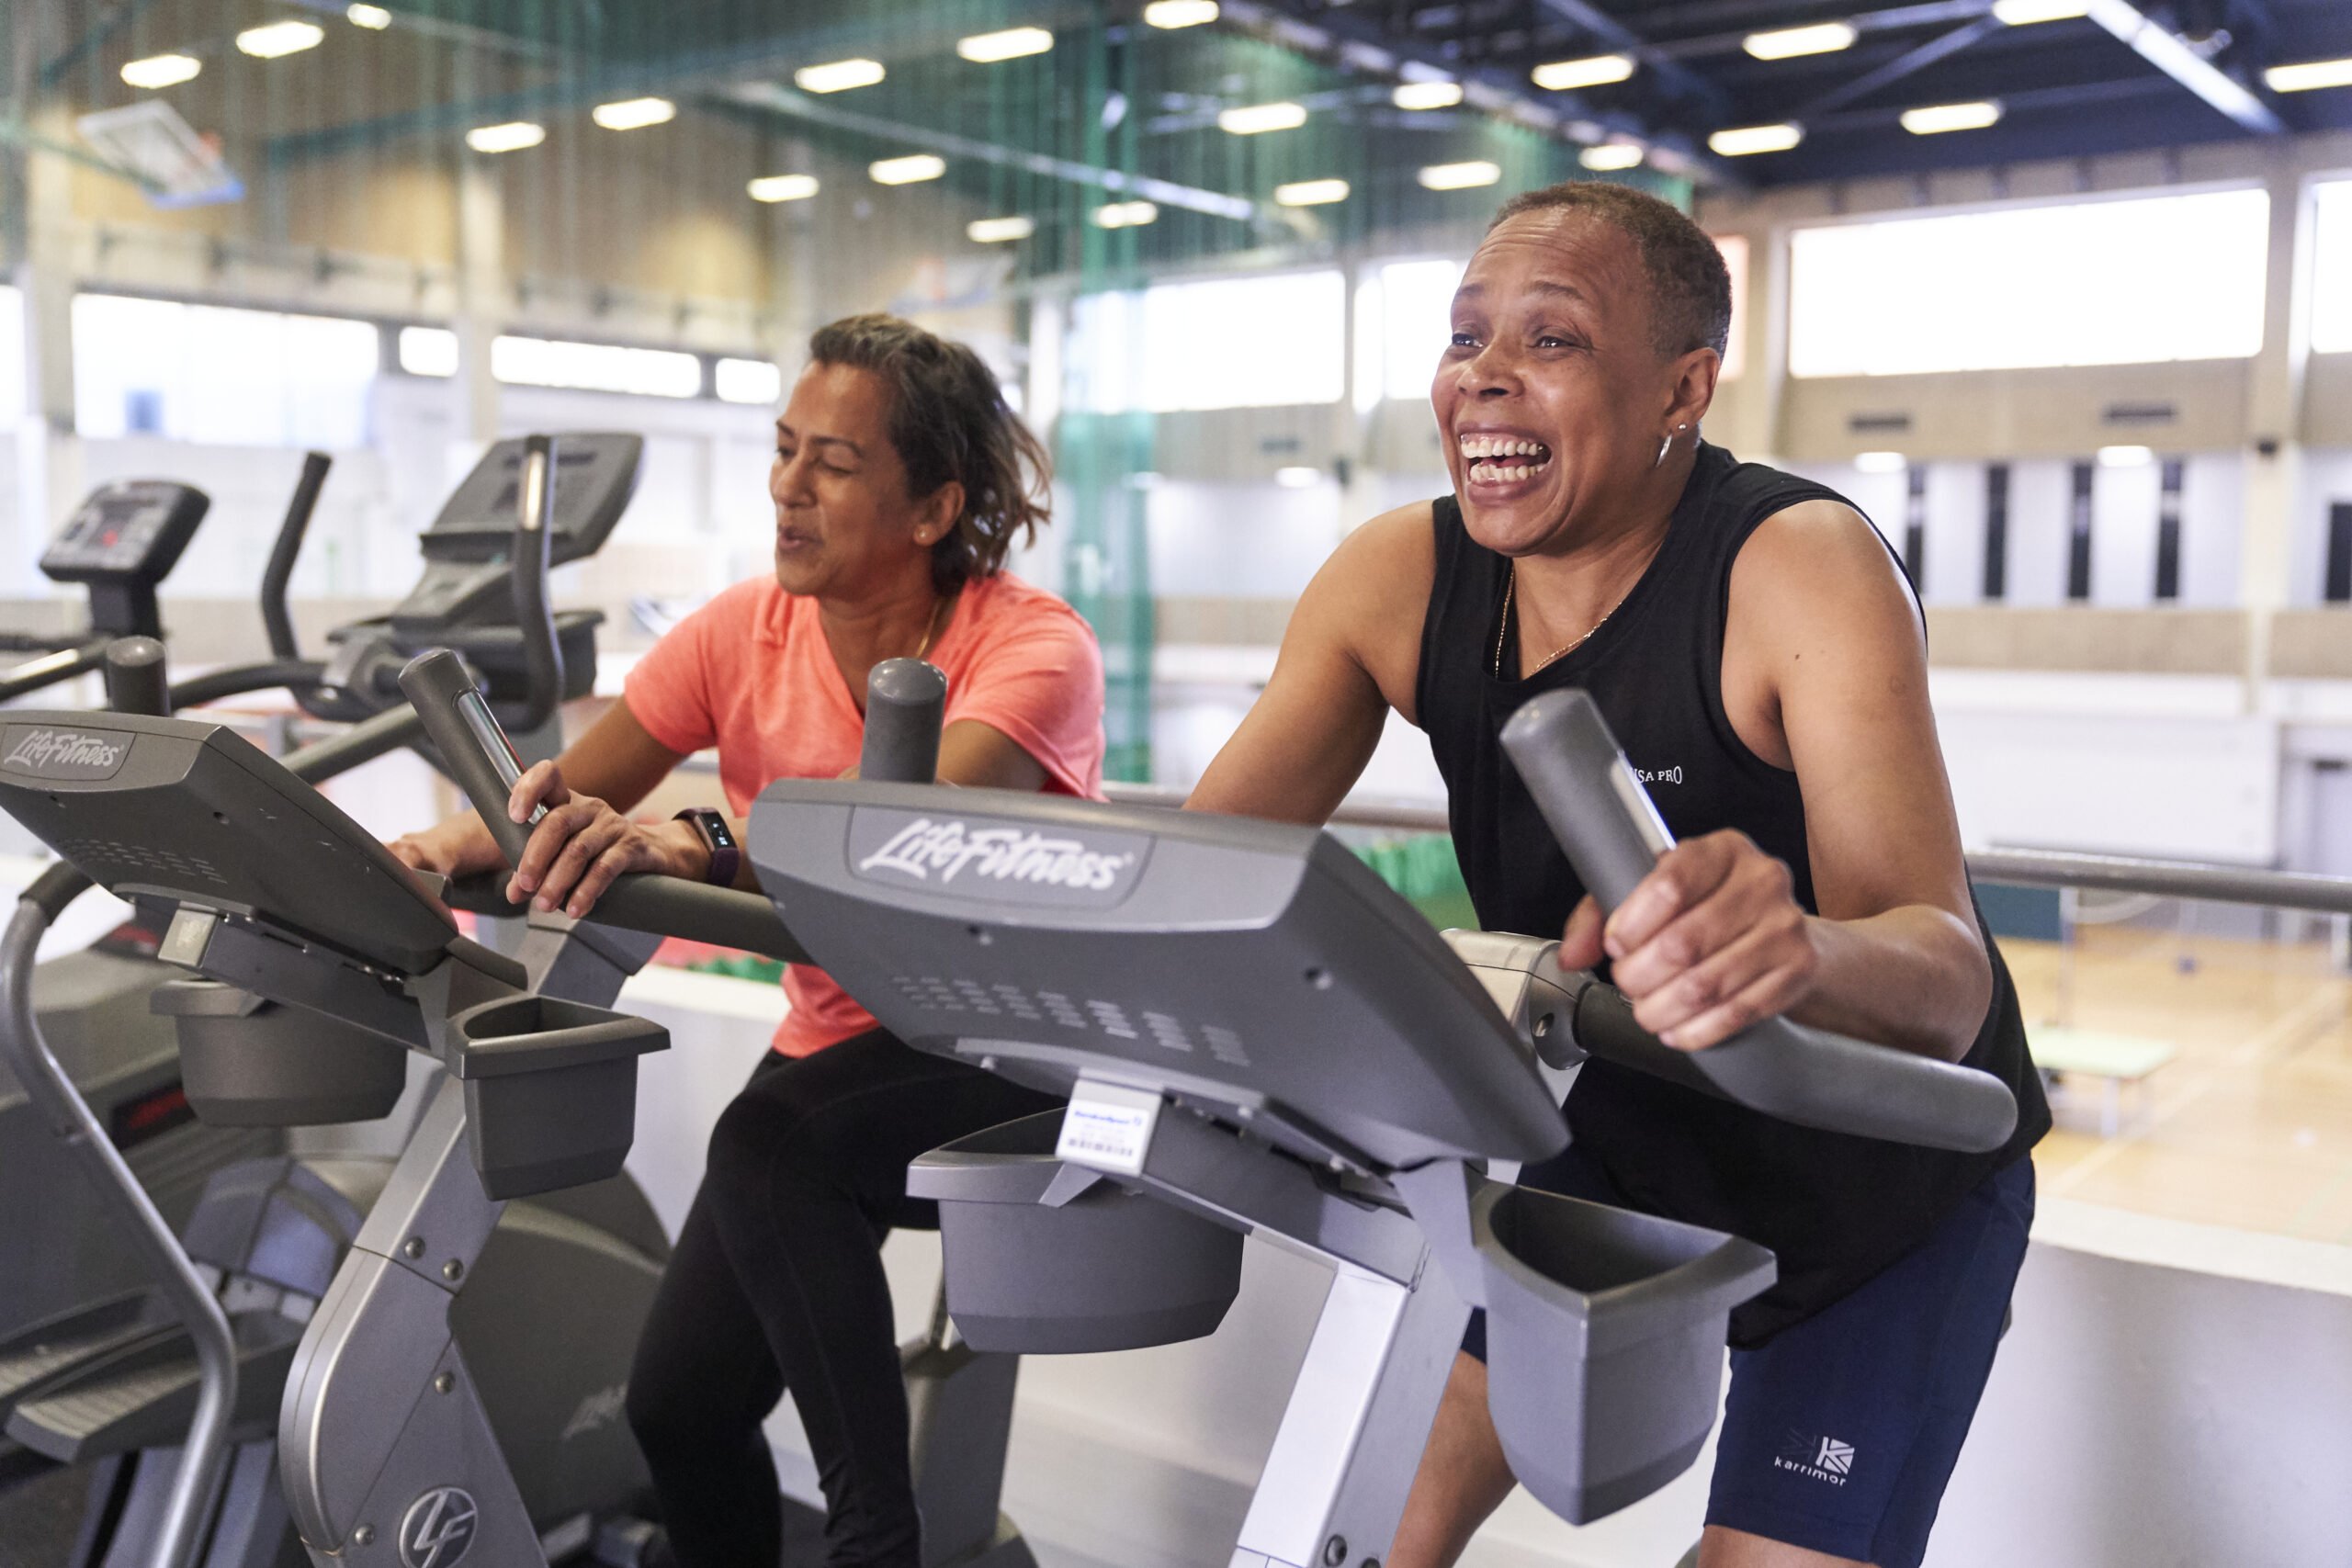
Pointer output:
1013, 860
65, 753
438, 1529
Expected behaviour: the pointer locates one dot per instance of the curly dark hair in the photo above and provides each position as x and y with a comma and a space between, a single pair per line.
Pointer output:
949, 421
1690, 286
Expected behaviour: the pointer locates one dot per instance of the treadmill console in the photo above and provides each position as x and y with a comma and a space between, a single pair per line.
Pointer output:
122, 541
466, 581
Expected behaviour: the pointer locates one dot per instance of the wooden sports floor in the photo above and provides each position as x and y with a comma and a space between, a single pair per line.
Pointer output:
2251, 1124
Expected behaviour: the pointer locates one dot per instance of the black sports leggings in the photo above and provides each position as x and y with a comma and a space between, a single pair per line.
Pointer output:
777, 1282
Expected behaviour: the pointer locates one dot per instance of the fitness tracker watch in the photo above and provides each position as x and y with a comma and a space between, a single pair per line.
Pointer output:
725, 855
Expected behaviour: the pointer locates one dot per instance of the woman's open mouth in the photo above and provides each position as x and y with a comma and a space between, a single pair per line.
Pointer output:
1502, 459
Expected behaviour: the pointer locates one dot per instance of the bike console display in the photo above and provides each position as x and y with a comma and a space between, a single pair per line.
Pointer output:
121, 542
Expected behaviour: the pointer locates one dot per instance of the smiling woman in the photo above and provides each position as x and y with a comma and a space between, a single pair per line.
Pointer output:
901, 479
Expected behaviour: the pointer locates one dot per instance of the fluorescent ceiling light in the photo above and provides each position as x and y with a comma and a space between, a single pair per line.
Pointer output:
1612, 155
996, 230
746, 381
2126, 456
280, 37
1296, 478
511, 137
783, 187
1427, 94
1260, 117
1787, 43
1880, 462
375, 19
2025, 13
1459, 177
1010, 44
1937, 118
428, 351
1125, 215
2309, 75
1566, 75
1742, 141
1180, 13
162, 70
595, 367
837, 78
909, 170
1310, 193
632, 114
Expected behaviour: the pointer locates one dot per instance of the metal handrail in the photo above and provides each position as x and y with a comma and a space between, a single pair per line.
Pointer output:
2031, 868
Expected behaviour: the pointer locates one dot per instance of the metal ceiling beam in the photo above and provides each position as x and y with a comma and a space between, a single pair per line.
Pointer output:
1903, 65
1930, 13
1616, 36
2168, 54
782, 100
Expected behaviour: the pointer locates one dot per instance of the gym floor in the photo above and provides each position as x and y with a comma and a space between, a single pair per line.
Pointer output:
2250, 1127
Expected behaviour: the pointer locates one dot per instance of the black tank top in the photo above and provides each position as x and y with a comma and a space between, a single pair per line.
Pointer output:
1836, 1208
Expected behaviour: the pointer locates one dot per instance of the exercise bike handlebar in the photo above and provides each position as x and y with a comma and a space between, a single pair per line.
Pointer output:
283, 552
1612, 833
534, 617
483, 764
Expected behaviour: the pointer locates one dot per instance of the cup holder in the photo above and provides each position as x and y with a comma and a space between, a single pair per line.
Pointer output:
1108, 1269
550, 1090
1604, 1342
246, 1062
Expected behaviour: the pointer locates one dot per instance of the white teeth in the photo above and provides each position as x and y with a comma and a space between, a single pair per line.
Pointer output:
1474, 449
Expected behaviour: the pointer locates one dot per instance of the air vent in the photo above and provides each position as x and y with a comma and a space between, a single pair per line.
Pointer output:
1877, 423
2139, 413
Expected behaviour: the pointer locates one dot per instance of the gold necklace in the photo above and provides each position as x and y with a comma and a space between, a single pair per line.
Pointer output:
1502, 631
931, 627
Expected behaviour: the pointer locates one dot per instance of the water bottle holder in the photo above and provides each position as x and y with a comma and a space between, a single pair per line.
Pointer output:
550, 1090
245, 1061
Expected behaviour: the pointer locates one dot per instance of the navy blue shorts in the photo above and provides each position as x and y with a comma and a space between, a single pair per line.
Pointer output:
1839, 1434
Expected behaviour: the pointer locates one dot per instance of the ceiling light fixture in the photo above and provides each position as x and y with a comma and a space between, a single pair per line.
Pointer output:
1612, 155
1566, 75
634, 114
162, 71
911, 169
996, 230
1743, 141
1937, 118
783, 187
2126, 456
1180, 13
2025, 13
511, 137
2311, 75
1459, 177
375, 19
1310, 193
1880, 462
1258, 118
1011, 44
1125, 215
839, 76
1787, 43
278, 38
1427, 94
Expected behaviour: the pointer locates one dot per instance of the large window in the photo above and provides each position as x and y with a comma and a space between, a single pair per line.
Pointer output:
2332, 272
207, 374
2114, 282
1219, 344
12, 355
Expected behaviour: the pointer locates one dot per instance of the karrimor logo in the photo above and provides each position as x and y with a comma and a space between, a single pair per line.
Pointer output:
439, 1529
1007, 858
1821, 1459
48, 752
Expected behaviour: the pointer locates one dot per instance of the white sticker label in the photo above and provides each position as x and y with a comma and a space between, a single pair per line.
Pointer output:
1108, 1127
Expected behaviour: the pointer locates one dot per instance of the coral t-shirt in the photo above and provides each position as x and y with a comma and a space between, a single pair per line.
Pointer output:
751, 673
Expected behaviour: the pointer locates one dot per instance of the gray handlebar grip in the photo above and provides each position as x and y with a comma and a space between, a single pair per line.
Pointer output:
906, 702
1612, 835
136, 680
533, 616
452, 711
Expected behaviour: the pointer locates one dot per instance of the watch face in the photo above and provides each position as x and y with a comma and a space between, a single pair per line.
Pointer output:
715, 826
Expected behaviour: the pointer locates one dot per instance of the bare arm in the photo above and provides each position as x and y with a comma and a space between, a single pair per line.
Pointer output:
1348, 655
1825, 671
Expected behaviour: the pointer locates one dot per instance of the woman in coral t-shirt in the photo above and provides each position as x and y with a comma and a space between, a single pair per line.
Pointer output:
901, 481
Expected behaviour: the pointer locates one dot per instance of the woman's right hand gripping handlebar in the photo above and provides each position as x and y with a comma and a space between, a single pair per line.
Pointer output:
575, 854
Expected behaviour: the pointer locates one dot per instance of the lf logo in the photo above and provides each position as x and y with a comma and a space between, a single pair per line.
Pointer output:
438, 1529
